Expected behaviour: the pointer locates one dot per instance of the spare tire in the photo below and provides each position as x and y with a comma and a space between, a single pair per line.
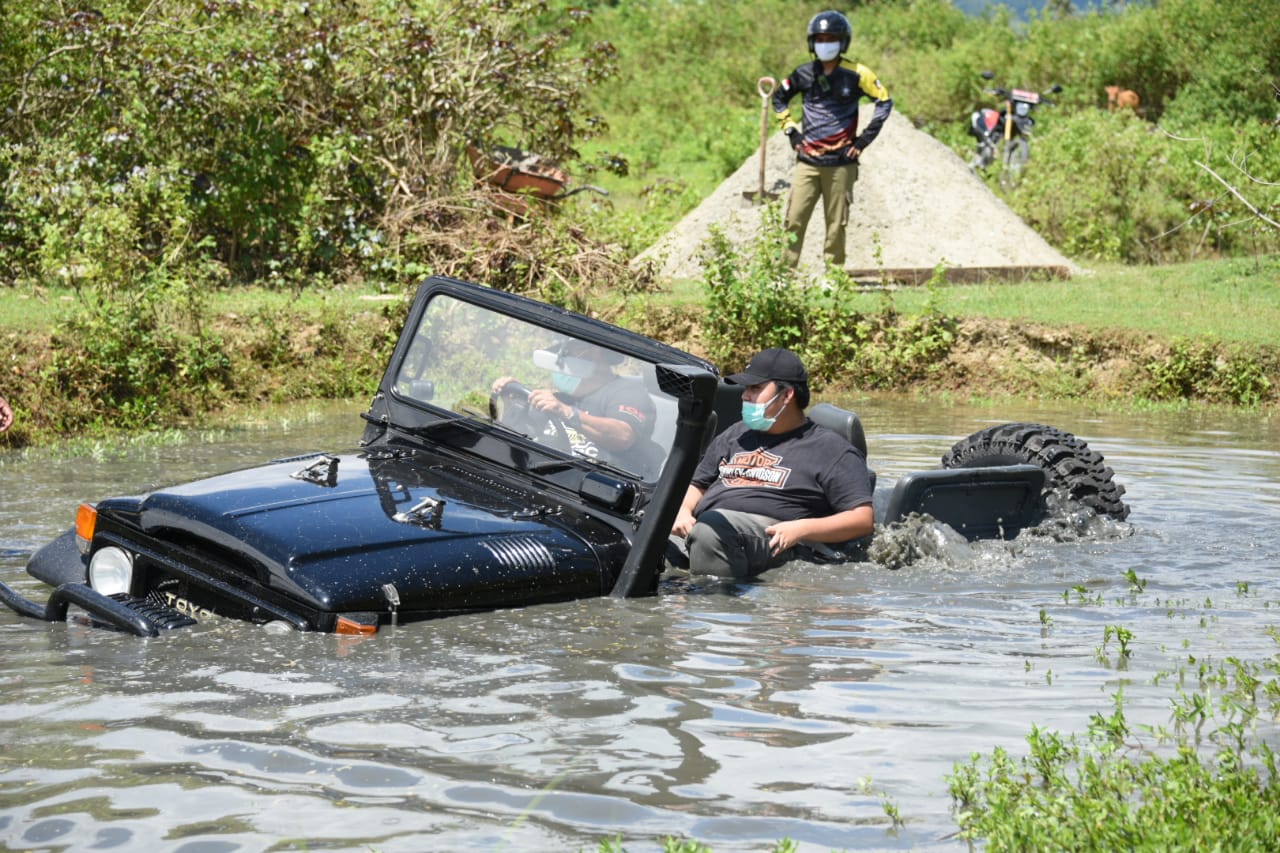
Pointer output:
1068, 462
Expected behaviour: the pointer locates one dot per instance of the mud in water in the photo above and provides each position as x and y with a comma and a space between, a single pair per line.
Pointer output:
920, 537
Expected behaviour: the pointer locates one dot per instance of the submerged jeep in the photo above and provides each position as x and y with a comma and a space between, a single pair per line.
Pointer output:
451, 503
463, 497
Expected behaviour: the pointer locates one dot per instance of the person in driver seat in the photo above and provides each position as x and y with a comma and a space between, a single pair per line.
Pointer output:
605, 416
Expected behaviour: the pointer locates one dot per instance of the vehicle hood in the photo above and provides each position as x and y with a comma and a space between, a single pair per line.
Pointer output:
334, 530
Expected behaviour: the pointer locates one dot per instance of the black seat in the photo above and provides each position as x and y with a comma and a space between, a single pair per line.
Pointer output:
842, 422
846, 424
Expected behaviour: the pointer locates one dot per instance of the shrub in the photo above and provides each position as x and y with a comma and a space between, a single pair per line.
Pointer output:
754, 300
289, 135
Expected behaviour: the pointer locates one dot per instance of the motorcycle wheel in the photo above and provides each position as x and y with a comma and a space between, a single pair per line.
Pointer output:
983, 157
1016, 154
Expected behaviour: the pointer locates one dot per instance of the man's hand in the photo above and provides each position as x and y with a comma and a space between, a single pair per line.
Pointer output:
683, 524
794, 135
547, 402
784, 535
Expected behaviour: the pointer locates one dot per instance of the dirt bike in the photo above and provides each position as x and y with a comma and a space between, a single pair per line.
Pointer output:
992, 127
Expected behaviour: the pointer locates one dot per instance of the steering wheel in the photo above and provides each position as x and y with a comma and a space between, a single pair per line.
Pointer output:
519, 415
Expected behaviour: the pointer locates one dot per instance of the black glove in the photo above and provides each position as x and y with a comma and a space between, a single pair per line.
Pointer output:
793, 134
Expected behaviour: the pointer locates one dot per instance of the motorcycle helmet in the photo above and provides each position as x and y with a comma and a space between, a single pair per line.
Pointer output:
832, 24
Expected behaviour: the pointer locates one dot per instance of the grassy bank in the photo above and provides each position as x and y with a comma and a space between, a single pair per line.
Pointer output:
1232, 301
1191, 334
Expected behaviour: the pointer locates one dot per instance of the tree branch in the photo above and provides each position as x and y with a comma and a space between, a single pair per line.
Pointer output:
1236, 193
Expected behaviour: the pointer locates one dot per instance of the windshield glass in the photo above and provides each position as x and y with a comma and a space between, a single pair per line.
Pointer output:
582, 399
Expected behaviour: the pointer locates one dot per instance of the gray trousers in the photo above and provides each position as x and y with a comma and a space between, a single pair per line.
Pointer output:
733, 544
834, 186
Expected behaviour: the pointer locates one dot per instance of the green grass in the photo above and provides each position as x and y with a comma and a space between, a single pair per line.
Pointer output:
39, 309
1232, 301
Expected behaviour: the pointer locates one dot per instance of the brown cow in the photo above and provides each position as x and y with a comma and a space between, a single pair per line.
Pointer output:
1121, 99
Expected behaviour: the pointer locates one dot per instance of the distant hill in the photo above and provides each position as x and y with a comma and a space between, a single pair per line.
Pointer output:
1018, 7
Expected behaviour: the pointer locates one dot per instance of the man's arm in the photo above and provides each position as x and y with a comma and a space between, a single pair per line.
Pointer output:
840, 527
873, 89
609, 433
781, 100
684, 516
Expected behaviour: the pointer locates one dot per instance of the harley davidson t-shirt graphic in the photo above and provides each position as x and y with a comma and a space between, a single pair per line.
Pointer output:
805, 473
754, 468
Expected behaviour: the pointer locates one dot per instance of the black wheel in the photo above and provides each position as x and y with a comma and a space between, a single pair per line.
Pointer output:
1016, 154
983, 157
1068, 462
510, 406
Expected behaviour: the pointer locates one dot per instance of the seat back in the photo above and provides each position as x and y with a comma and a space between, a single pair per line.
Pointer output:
847, 425
842, 422
978, 503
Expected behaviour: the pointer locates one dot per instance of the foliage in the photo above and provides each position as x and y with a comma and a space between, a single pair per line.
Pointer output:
286, 138
155, 152
754, 300
1114, 201
753, 294
136, 351
1203, 370
1108, 790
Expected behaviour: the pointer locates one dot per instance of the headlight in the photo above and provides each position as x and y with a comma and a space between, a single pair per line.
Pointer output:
111, 570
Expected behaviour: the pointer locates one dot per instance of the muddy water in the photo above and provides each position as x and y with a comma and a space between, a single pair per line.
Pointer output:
738, 715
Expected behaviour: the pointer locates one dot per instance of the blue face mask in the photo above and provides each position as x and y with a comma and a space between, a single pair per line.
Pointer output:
753, 414
566, 383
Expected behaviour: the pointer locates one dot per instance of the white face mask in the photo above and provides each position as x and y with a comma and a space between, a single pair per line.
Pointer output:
827, 50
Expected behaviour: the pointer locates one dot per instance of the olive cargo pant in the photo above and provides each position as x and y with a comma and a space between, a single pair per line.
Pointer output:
834, 186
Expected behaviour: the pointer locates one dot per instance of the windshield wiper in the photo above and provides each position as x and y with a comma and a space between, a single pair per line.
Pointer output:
438, 426
578, 462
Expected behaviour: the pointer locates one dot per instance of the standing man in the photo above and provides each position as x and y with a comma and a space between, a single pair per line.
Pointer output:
827, 142
773, 482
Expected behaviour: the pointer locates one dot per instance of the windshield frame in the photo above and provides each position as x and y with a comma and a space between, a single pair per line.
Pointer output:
460, 337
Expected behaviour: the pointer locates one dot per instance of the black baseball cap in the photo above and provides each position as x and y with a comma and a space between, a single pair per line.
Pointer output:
777, 364
773, 364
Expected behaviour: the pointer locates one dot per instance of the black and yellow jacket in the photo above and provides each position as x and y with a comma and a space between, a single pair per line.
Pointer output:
829, 125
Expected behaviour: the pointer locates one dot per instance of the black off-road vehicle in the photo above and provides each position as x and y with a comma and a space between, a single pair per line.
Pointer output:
461, 499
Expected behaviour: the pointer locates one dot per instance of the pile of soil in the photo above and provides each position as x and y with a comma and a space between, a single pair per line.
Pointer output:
916, 205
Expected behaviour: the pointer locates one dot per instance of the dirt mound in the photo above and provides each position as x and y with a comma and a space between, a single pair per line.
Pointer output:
916, 204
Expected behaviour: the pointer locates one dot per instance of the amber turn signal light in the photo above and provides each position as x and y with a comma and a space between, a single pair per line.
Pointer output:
86, 521
352, 628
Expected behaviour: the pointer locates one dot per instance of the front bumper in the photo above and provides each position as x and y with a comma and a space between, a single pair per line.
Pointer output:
140, 617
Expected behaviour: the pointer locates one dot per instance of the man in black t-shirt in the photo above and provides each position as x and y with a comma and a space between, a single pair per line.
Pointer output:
605, 416
771, 485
